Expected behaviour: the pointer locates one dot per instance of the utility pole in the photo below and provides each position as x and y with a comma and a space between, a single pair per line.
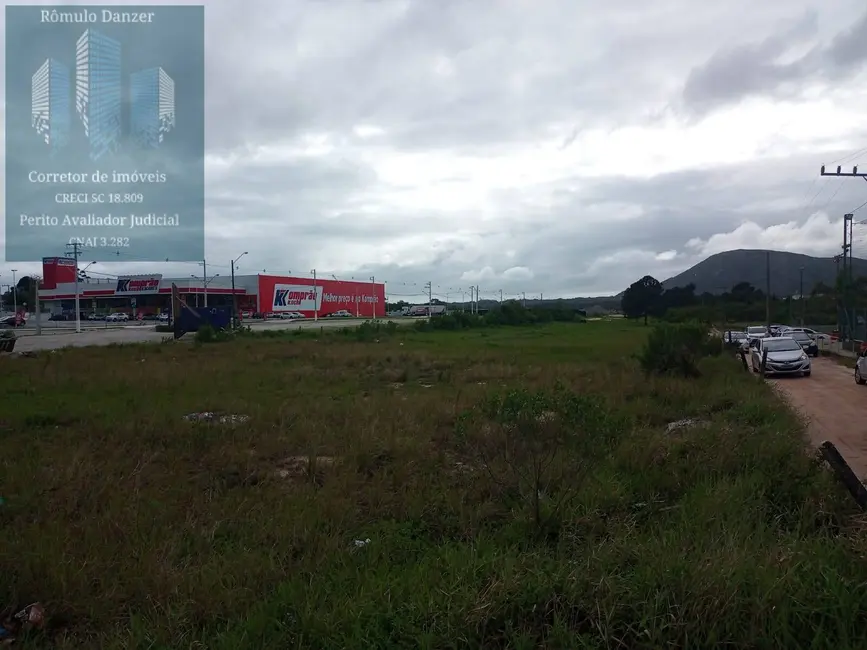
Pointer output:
477, 299
523, 299
801, 296
854, 173
768, 290
38, 308
501, 296
837, 285
76, 253
846, 279
429, 287
15, 293
373, 296
315, 298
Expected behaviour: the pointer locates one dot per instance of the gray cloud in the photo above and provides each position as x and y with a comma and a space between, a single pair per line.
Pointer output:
761, 68
447, 90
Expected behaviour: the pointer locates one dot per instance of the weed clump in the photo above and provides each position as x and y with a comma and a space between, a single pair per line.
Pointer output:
676, 349
538, 446
208, 334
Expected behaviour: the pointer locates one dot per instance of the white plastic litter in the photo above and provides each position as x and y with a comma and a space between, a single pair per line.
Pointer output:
216, 418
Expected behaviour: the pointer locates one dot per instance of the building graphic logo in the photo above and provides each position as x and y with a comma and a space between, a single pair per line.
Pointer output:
99, 99
152, 106
50, 114
98, 91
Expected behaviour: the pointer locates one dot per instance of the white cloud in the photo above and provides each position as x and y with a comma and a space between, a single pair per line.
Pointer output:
818, 235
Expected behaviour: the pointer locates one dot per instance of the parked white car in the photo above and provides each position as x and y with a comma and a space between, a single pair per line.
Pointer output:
785, 356
118, 317
861, 369
813, 334
757, 332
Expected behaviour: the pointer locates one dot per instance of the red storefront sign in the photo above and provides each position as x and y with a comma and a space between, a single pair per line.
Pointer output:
277, 294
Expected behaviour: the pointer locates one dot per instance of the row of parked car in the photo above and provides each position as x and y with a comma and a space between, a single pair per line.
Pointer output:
788, 349
295, 315
114, 317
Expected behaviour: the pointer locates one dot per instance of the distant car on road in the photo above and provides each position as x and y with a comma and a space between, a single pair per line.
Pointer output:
818, 336
118, 317
290, 315
735, 338
785, 357
341, 314
806, 342
12, 321
757, 332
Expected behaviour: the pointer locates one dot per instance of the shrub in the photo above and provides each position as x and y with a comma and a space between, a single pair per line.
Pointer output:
675, 349
206, 334
369, 331
509, 314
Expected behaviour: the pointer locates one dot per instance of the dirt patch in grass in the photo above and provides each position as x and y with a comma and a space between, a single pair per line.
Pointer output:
137, 528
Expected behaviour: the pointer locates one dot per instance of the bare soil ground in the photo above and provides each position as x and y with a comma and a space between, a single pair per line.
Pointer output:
835, 408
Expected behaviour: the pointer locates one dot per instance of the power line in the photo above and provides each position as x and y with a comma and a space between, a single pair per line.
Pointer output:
849, 157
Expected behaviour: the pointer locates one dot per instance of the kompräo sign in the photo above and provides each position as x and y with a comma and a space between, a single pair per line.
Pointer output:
136, 285
296, 297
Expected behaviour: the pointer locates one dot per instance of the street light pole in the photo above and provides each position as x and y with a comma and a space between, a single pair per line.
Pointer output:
205, 282
234, 297
14, 293
801, 292
205, 275
373, 296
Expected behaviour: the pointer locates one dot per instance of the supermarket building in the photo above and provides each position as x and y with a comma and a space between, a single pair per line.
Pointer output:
151, 293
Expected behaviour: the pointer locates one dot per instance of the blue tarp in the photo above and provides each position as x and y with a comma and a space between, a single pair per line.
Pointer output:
190, 319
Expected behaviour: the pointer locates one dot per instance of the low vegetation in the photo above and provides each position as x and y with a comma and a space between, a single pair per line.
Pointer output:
500, 487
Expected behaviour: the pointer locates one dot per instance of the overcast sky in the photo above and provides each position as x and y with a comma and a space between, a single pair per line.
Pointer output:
563, 147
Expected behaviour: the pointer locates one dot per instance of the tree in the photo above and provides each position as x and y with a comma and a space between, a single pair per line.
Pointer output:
746, 293
642, 298
679, 297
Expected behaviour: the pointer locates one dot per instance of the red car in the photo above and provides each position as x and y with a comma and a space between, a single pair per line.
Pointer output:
16, 320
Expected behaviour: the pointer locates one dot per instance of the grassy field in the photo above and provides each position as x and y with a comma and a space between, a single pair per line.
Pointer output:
518, 487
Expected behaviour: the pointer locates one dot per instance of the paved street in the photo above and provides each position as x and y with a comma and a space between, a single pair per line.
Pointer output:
144, 333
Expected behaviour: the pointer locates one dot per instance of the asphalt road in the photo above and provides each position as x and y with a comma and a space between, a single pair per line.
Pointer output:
144, 333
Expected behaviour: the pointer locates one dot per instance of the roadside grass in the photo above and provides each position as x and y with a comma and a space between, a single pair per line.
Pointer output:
138, 529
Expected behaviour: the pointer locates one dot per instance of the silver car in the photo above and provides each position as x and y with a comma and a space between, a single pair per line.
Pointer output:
785, 357
861, 369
